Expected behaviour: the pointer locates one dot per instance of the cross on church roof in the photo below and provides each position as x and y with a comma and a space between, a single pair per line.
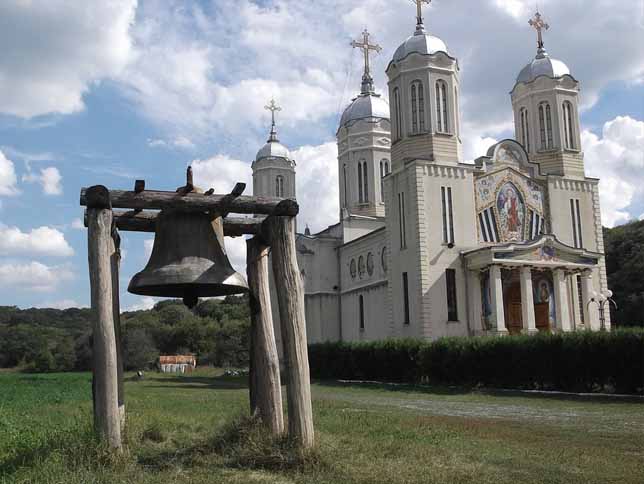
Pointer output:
419, 13
273, 108
365, 46
539, 25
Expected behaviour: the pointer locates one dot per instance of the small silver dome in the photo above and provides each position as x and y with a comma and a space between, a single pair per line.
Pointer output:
365, 106
273, 149
422, 43
543, 65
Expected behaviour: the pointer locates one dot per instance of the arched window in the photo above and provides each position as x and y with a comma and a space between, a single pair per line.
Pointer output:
568, 125
417, 107
360, 194
384, 171
344, 176
365, 182
545, 126
525, 129
397, 115
361, 310
457, 112
279, 186
442, 121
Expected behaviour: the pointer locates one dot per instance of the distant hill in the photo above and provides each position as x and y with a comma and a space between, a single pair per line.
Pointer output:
624, 246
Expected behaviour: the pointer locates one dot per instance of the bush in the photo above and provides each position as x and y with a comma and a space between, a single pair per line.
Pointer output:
578, 362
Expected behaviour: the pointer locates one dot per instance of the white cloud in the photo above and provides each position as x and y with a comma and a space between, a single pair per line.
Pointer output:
49, 178
43, 241
236, 251
77, 224
8, 178
33, 276
617, 158
144, 303
58, 49
179, 142
148, 244
222, 172
62, 304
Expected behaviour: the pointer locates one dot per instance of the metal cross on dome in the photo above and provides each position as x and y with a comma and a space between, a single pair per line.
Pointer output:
419, 12
539, 24
273, 108
366, 47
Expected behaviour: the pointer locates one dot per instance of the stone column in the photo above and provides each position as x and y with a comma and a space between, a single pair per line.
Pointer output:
527, 301
496, 290
590, 312
476, 304
561, 300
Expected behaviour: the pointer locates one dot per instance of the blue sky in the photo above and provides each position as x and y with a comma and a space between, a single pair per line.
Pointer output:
118, 90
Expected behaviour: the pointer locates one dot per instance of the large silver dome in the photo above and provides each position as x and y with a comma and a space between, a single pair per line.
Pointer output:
365, 106
273, 149
421, 43
543, 65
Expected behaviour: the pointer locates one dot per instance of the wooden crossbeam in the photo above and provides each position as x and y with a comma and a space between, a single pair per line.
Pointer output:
137, 221
191, 202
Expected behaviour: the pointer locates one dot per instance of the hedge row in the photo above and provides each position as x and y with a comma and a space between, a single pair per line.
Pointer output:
578, 362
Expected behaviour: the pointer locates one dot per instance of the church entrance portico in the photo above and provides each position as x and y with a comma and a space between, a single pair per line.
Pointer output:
530, 287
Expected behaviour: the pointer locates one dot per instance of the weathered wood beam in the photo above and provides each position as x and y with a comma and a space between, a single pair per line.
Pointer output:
265, 386
101, 248
137, 221
280, 232
158, 200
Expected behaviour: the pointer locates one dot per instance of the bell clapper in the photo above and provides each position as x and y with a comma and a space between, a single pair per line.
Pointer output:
190, 300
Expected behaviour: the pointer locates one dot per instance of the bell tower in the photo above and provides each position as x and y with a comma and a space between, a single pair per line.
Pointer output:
364, 145
274, 168
545, 101
424, 98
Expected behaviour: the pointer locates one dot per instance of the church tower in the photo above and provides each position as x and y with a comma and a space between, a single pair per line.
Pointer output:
364, 146
274, 168
423, 92
545, 101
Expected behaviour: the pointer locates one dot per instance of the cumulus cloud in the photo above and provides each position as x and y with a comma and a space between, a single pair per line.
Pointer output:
617, 158
8, 178
58, 49
144, 303
33, 276
77, 224
62, 304
49, 178
222, 172
43, 241
181, 142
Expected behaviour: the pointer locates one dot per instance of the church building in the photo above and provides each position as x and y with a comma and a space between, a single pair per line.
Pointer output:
428, 246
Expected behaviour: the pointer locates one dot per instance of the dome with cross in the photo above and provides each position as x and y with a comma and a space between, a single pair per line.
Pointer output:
422, 42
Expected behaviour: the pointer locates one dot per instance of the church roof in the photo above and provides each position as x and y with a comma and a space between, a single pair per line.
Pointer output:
543, 65
421, 42
273, 149
366, 105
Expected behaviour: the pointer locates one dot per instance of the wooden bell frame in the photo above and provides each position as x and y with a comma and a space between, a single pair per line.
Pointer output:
274, 231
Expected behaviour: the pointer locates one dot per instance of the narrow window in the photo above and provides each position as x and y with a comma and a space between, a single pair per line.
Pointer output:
448, 215
441, 107
452, 306
579, 234
444, 99
360, 195
542, 126
483, 229
565, 123
439, 120
386, 167
365, 182
574, 222
568, 126
494, 226
457, 112
344, 176
421, 108
549, 125
580, 300
279, 186
401, 220
414, 110
406, 297
397, 114
361, 304
382, 181
525, 129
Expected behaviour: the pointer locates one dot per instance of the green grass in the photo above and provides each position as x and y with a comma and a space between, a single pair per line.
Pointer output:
188, 429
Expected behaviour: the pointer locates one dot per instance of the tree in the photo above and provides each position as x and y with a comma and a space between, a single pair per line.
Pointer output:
140, 350
44, 361
65, 354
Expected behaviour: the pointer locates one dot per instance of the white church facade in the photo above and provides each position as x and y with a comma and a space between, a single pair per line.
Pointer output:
428, 246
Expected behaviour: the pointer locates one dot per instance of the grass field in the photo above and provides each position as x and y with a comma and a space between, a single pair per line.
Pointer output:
366, 434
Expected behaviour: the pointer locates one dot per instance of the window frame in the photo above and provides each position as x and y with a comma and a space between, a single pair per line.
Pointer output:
452, 295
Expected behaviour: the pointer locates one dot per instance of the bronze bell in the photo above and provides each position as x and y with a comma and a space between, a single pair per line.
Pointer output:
188, 260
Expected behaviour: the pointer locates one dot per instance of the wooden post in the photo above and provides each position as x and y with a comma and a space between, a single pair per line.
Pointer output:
290, 295
105, 384
265, 385
116, 311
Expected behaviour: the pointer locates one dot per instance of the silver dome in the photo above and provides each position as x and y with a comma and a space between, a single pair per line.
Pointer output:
543, 65
273, 149
421, 43
365, 106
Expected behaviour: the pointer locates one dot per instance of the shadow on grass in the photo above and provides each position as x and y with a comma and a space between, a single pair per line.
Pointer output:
493, 392
200, 382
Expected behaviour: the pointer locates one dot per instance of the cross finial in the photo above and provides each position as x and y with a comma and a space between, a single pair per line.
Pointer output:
419, 14
365, 46
273, 108
539, 24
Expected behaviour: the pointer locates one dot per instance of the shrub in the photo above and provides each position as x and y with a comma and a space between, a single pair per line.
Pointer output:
581, 361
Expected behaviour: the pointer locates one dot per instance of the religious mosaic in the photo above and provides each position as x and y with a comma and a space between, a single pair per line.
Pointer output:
511, 212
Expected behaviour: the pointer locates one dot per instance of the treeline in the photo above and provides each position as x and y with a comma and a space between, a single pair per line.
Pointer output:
60, 340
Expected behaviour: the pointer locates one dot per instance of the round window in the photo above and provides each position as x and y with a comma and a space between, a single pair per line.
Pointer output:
370, 264
361, 267
383, 259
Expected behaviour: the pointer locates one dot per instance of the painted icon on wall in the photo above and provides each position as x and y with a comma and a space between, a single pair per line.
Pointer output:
511, 210
544, 294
